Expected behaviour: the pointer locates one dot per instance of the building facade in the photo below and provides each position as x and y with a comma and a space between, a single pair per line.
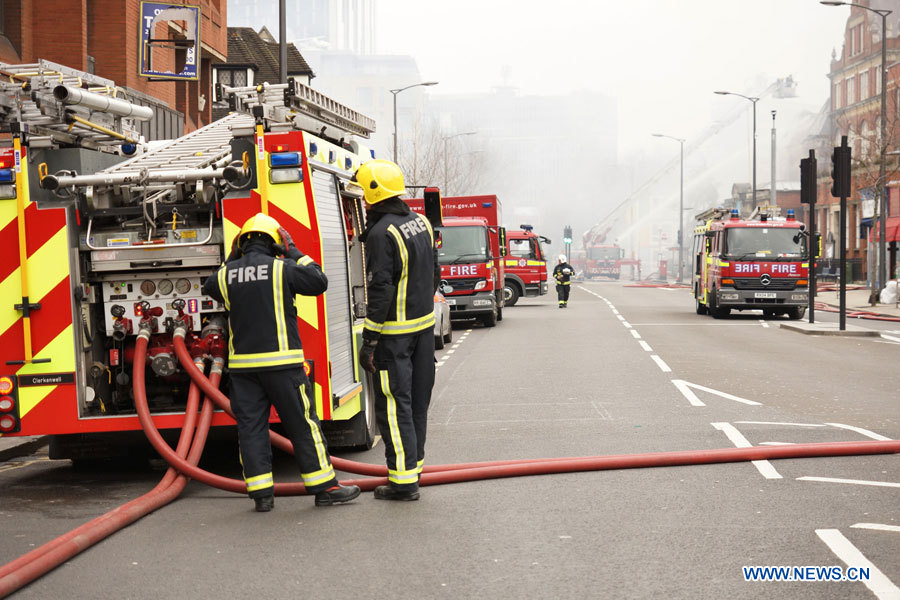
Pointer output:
855, 111
103, 37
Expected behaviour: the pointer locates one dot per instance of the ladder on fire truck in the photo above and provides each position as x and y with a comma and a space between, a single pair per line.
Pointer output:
205, 154
57, 105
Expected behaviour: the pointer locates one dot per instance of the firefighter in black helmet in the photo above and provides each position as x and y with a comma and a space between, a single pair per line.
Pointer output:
562, 273
265, 358
398, 338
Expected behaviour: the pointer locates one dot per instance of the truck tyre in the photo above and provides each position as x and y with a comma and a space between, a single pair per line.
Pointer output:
796, 313
701, 308
490, 320
716, 311
511, 293
499, 313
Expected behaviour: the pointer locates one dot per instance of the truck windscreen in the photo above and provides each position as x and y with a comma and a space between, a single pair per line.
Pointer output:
769, 243
463, 245
603, 253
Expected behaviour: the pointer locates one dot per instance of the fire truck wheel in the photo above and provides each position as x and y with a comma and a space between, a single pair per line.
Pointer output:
700, 307
716, 311
499, 314
796, 313
511, 294
491, 319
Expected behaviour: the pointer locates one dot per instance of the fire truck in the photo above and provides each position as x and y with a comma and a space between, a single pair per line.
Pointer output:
525, 263
95, 244
759, 263
471, 250
603, 260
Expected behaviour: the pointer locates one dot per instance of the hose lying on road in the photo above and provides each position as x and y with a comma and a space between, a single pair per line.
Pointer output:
30, 566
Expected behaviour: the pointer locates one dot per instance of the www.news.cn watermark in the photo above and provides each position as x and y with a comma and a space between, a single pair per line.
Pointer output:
808, 573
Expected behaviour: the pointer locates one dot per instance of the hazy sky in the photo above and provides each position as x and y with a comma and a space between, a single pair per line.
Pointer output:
662, 59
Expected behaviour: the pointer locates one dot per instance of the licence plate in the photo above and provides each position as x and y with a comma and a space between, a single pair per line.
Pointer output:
451, 301
765, 295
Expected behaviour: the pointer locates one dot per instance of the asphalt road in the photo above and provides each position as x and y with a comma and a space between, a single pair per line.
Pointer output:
622, 370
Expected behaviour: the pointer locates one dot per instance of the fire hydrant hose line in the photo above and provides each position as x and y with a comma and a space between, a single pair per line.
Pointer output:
21, 571
18, 573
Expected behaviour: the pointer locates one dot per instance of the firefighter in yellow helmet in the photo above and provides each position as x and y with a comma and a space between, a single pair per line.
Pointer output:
398, 337
257, 284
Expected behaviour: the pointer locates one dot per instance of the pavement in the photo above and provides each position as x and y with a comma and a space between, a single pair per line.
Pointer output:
857, 300
15, 447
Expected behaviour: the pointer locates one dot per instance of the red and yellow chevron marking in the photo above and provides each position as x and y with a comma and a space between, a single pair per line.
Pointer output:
34, 262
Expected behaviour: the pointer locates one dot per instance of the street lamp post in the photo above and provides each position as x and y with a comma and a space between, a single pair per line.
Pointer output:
680, 206
395, 92
445, 138
754, 101
882, 181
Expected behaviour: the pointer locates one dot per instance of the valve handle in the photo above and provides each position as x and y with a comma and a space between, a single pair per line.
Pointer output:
178, 304
117, 311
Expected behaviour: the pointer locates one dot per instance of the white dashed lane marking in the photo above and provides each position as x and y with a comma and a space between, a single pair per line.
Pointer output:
448, 353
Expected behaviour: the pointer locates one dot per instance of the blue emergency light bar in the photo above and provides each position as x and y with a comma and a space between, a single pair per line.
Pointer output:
7, 176
526, 227
284, 159
486, 204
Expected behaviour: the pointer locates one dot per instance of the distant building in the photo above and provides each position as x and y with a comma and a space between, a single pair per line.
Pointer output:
101, 37
254, 57
345, 25
855, 111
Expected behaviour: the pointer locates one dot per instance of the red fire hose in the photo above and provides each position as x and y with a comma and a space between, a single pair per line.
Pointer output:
30, 566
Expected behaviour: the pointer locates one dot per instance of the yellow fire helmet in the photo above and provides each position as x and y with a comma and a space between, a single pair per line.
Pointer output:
261, 223
380, 180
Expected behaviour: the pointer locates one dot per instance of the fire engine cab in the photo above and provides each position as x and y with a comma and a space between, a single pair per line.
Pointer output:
758, 263
526, 264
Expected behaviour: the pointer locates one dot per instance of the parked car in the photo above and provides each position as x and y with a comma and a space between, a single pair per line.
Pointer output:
443, 330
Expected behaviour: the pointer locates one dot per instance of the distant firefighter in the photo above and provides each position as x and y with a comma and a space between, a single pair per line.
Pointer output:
563, 273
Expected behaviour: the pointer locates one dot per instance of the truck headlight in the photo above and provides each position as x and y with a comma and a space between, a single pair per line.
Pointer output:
481, 284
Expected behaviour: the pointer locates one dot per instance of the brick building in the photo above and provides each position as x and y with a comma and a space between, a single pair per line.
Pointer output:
855, 111
103, 37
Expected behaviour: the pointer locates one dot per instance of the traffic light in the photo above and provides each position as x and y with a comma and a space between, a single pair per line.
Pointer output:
840, 170
567, 234
808, 169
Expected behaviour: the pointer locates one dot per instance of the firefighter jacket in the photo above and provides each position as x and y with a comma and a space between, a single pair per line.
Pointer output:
562, 273
401, 270
258, 290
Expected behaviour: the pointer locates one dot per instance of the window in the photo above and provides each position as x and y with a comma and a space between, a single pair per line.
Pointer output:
854, 40
232, 77
851, 90
863, 85
521, 248
836, 96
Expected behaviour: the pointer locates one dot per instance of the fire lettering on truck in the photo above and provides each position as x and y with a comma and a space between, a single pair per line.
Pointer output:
746, 268
463, 270
785, 268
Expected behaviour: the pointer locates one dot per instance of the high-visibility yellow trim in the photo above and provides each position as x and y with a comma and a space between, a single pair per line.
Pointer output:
318, 443
260, 482
372, 325
223, 286
408, 326
428, 225
62, 352
804, 265
21, 200
404, 273
278, 297
304, 260
318, 477
265, 359
393, 425
722, 263
420, 465
308, 309
262, 170
404, 476
291, 198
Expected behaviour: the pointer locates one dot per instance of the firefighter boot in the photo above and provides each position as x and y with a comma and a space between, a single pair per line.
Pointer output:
386, 492
337, 495
265, 503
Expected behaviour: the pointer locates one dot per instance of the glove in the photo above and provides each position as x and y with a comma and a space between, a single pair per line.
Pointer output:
367, 355
286, 239
235, 250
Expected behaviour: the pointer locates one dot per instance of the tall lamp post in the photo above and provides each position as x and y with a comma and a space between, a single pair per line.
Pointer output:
754, 101
445, 138
680, 205
395, 92
882, 182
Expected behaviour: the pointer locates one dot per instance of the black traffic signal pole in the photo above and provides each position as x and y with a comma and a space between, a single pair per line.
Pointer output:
808, 190
840, 187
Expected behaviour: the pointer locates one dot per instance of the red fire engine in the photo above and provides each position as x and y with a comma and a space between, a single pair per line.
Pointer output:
526, 264
472, 247
740, 264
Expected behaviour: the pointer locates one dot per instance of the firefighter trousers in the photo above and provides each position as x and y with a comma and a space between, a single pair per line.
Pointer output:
562, 292
253, 394
403, 385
